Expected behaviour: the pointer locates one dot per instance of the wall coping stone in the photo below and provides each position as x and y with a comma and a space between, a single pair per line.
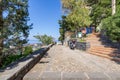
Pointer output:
17, 69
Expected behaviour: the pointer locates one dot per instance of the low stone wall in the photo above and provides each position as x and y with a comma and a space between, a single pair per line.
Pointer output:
82, 45
18, 69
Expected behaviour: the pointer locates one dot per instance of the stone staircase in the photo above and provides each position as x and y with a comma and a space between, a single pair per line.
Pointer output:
100, 47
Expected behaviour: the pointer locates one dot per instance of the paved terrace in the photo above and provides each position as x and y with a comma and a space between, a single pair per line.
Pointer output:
61, 63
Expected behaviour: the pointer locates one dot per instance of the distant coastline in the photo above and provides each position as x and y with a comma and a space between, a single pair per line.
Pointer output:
33, 41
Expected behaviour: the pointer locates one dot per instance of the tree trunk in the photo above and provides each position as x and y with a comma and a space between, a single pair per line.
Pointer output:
113, 7
1, 37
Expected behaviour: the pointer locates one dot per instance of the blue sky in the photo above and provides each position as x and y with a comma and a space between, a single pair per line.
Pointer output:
44, 14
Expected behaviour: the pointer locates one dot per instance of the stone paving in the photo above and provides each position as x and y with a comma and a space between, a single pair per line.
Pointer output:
61, 63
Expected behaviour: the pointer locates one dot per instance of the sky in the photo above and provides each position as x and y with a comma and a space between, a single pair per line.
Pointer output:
44, 14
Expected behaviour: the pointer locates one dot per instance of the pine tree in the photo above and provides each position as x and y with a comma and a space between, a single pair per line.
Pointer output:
78, 15
14, 28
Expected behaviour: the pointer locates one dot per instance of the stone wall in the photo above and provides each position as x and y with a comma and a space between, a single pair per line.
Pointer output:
82, 45
18, 69
68, 35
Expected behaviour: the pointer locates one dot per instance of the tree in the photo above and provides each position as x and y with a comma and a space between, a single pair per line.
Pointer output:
113, 7
1, 27
112, 24
100, 10
63, 28
77, 17
45, 39
14, 29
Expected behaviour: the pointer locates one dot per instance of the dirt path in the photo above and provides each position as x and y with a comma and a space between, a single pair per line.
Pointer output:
62, 59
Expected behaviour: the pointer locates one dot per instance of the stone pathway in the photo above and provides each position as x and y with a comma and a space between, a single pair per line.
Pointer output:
62, 60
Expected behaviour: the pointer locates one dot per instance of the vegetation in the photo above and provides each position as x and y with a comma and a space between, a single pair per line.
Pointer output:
112, 24
100, 9
13, 57
63, 28
45, 39
14, 29
97, 12
102, 14
77, 17
27, 50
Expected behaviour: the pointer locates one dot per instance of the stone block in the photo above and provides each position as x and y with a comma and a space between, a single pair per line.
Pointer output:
74, 76
97, 76
32, 76
114, 75
51, 76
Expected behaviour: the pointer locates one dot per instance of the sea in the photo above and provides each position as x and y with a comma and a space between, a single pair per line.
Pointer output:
33, 41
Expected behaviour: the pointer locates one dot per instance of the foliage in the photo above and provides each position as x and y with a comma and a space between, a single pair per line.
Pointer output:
14, 29
112, 24
27, 50
77, 17
63, 28
100, 9
82, 40
45, 39
79, 14
9, 59
68, 4
12, 57
112, 27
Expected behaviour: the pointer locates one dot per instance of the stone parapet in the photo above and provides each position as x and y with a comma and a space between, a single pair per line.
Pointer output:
18, 69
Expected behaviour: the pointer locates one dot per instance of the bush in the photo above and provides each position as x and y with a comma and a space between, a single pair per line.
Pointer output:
112, 27
27, 50
9, 59
13, 57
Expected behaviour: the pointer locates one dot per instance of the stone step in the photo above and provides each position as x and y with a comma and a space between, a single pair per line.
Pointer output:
112, 54
108, 50
106, 56
104, 48
97, 40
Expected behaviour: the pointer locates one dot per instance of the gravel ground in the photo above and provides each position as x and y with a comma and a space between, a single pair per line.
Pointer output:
62, 59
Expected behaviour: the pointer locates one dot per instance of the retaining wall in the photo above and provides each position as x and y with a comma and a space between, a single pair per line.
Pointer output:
18, 69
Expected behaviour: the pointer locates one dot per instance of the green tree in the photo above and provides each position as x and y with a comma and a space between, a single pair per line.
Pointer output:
14, 29
63, 28
112, 24
77, 17
100, 9
45, 39
1, 27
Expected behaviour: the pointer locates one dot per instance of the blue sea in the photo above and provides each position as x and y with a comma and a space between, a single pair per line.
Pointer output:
33, 41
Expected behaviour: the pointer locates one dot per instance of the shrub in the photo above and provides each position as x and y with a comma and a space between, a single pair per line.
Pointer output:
112, 27
13, 57
27, 50
9, 59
